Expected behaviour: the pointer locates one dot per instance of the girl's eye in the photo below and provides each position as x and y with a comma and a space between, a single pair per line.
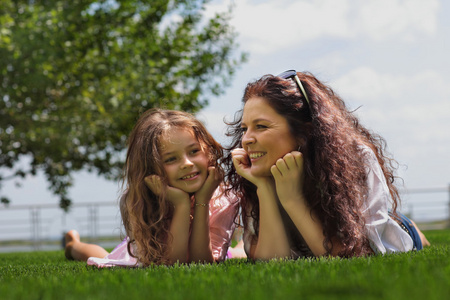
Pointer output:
195, 151
169, 160
243, 129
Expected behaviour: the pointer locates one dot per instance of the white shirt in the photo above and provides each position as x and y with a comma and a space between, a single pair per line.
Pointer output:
385, 235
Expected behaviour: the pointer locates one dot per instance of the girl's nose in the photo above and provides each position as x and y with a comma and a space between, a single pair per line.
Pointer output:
186, 163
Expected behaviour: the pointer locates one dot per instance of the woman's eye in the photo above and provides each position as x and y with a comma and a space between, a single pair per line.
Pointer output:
260, 126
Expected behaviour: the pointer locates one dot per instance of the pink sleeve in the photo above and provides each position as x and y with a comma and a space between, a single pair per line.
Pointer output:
222, 216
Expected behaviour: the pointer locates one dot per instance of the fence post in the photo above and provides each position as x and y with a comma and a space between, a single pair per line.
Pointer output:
448, 218
35, 227
93, 222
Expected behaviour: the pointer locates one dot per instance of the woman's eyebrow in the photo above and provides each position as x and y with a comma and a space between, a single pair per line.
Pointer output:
258, 120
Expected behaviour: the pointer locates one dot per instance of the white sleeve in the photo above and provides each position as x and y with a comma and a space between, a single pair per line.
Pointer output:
385, 235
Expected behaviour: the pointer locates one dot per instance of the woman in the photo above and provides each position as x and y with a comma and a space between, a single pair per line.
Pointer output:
312, 180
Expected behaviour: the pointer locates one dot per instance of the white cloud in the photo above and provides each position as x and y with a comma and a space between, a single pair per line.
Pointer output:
404, 19
367, 85
265, 27
415, 107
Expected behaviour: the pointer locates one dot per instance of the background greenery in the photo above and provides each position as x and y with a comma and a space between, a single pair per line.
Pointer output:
74, 76
413, 275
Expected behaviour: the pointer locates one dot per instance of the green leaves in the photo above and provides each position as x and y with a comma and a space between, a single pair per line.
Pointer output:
74, 76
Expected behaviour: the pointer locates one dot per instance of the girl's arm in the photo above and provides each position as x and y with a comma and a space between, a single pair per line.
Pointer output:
179, 229
179, 226
200, 241
272, 239
289, 176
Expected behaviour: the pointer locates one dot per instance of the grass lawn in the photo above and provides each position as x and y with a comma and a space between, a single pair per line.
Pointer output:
414, 275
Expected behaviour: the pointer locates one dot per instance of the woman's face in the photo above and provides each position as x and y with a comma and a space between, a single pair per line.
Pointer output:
184, 160
266, 136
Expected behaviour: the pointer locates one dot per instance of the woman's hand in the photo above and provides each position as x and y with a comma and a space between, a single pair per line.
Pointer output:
174, 195
204, 194
288, 173
243, 166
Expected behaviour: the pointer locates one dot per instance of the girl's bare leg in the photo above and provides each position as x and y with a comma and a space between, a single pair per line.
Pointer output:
77, 250
425, 242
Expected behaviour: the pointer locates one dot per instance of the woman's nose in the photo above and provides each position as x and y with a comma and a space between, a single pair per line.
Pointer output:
247, 138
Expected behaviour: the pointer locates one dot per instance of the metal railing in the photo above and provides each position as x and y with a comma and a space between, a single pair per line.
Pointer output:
37, 225
41, 224
431, 204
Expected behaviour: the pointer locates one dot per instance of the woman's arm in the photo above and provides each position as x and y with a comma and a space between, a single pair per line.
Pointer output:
288, 174
272, 238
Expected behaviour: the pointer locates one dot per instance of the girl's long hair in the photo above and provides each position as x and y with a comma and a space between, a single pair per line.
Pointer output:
330, 138
146, 216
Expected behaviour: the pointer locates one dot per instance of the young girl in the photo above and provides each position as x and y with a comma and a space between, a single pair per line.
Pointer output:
173, 208
312, 180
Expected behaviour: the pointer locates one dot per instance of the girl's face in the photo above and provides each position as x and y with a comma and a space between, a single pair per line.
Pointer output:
266, 136
184, 160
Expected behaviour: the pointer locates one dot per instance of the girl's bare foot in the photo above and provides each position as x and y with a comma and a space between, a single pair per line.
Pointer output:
71, 238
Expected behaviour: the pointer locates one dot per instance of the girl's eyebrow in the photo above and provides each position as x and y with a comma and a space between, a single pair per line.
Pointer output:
187, 147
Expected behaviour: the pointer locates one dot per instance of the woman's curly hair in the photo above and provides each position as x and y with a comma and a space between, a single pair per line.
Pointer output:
331, 139
146, 216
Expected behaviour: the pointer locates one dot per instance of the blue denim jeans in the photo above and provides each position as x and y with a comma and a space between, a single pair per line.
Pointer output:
409, 227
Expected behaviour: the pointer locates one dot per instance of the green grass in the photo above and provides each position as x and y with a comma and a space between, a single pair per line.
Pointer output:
414, 275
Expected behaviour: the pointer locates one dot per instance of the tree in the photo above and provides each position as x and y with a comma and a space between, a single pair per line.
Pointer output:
76, 74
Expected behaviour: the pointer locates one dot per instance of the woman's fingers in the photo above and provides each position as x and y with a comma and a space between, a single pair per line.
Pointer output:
298, 157
240, 159
275, 172
292, 161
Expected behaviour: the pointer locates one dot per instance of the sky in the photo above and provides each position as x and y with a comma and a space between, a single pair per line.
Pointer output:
387, 57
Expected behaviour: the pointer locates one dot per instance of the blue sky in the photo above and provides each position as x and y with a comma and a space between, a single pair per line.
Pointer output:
388, 56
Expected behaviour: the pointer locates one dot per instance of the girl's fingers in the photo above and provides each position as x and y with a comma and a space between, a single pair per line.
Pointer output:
154, 183
212, 174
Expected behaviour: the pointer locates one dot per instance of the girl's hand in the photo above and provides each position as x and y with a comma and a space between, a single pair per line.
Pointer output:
288, 173
204, 194
174, 195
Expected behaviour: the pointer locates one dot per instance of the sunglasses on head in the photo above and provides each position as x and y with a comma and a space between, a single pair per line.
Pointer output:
293, 74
